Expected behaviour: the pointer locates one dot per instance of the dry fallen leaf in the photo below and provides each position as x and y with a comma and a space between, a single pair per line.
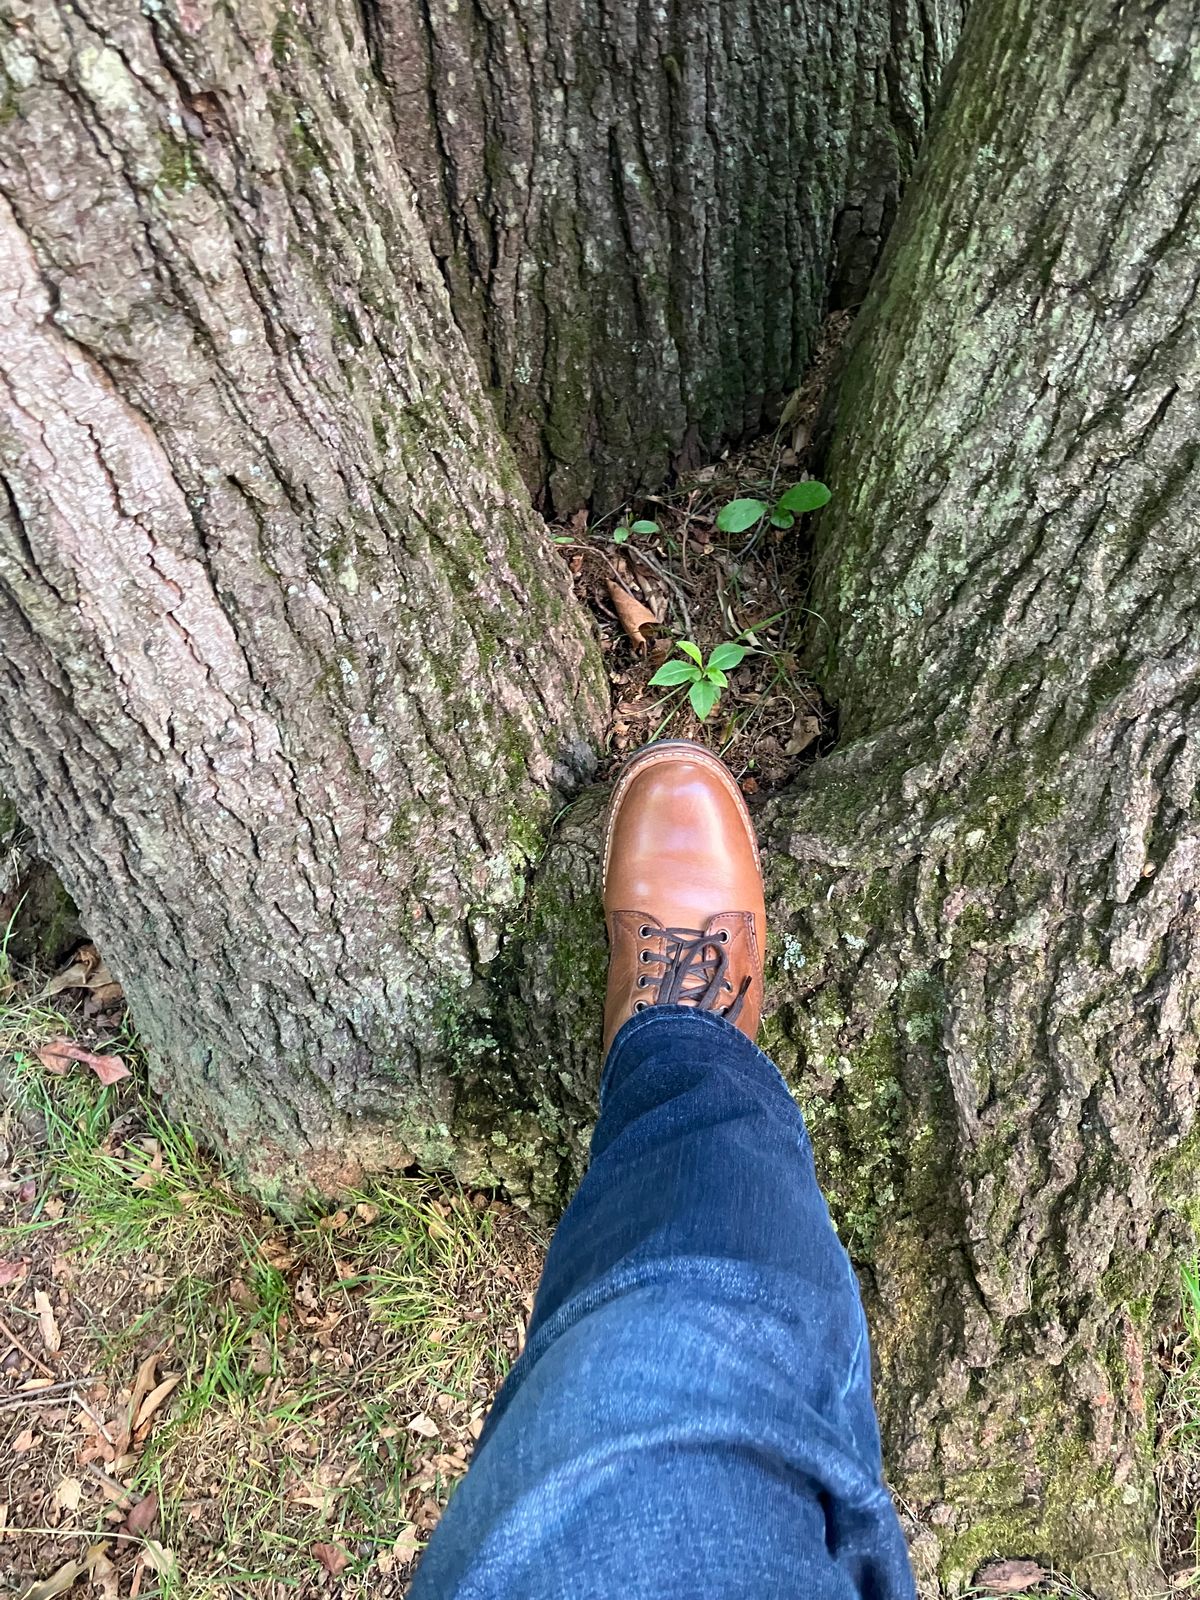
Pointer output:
68, 1494
141, 1517
57, 1583
58, 1055
12, 1272
25, 1440
636, 618
1009, 1577
48, 1327
142, 1385
157, 1557
332, 1557
425, 1427
155, 1399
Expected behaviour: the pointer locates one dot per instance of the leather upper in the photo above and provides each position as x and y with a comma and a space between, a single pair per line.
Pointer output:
683, 894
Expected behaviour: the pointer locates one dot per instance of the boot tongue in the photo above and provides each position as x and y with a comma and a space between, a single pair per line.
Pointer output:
694, 969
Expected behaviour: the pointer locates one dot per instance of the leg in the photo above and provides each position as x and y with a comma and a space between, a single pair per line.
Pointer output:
692, 1414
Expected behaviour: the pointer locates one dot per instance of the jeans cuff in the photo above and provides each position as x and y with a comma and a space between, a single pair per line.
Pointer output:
643, 1027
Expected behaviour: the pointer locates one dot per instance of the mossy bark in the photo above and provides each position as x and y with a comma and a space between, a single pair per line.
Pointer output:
642, 211
1010, 578
291, 676
986, 939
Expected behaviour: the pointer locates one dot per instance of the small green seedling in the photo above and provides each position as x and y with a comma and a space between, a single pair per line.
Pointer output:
619, 534
738, 515
622, 533
706, 679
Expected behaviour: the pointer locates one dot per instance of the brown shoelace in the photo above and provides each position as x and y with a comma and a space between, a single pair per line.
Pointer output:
694, 966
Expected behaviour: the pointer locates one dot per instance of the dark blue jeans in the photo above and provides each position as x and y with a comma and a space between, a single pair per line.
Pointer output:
692, 1413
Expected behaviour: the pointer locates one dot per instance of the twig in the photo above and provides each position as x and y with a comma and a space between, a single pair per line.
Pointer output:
24, 1349
117, 1492
83, 1405
672, 584
36, 1395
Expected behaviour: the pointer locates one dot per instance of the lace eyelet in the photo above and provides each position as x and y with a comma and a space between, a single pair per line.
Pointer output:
641, 983
639, 1005
644, 932
723, 935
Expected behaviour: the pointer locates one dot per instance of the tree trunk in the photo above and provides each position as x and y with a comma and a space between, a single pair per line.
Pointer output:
986, 937
640, 211
1006, 1022
292, 677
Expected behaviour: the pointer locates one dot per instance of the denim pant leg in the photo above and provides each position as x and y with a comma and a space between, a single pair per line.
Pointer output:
692, 1413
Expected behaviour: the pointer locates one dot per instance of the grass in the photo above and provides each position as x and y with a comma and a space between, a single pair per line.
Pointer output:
326, 1381
1179, 1441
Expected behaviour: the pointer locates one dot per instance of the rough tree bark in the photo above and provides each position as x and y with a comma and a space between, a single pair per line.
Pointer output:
987, 939
291, 678
639, 210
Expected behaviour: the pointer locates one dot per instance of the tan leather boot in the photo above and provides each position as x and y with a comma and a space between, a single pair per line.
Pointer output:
683, 893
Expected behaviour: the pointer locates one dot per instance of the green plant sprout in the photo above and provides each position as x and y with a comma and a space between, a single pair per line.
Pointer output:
736, 516
620, 534
644, 526
706, 680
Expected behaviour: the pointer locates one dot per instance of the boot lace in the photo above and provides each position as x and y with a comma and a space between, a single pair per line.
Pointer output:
695, 966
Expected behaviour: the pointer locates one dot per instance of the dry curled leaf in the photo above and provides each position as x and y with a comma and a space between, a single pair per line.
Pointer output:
47, 1326
424, 1427
637, 619
332, 1557
143, 1383
1009, 1577
25, 1440
58, 1055
155, 1399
